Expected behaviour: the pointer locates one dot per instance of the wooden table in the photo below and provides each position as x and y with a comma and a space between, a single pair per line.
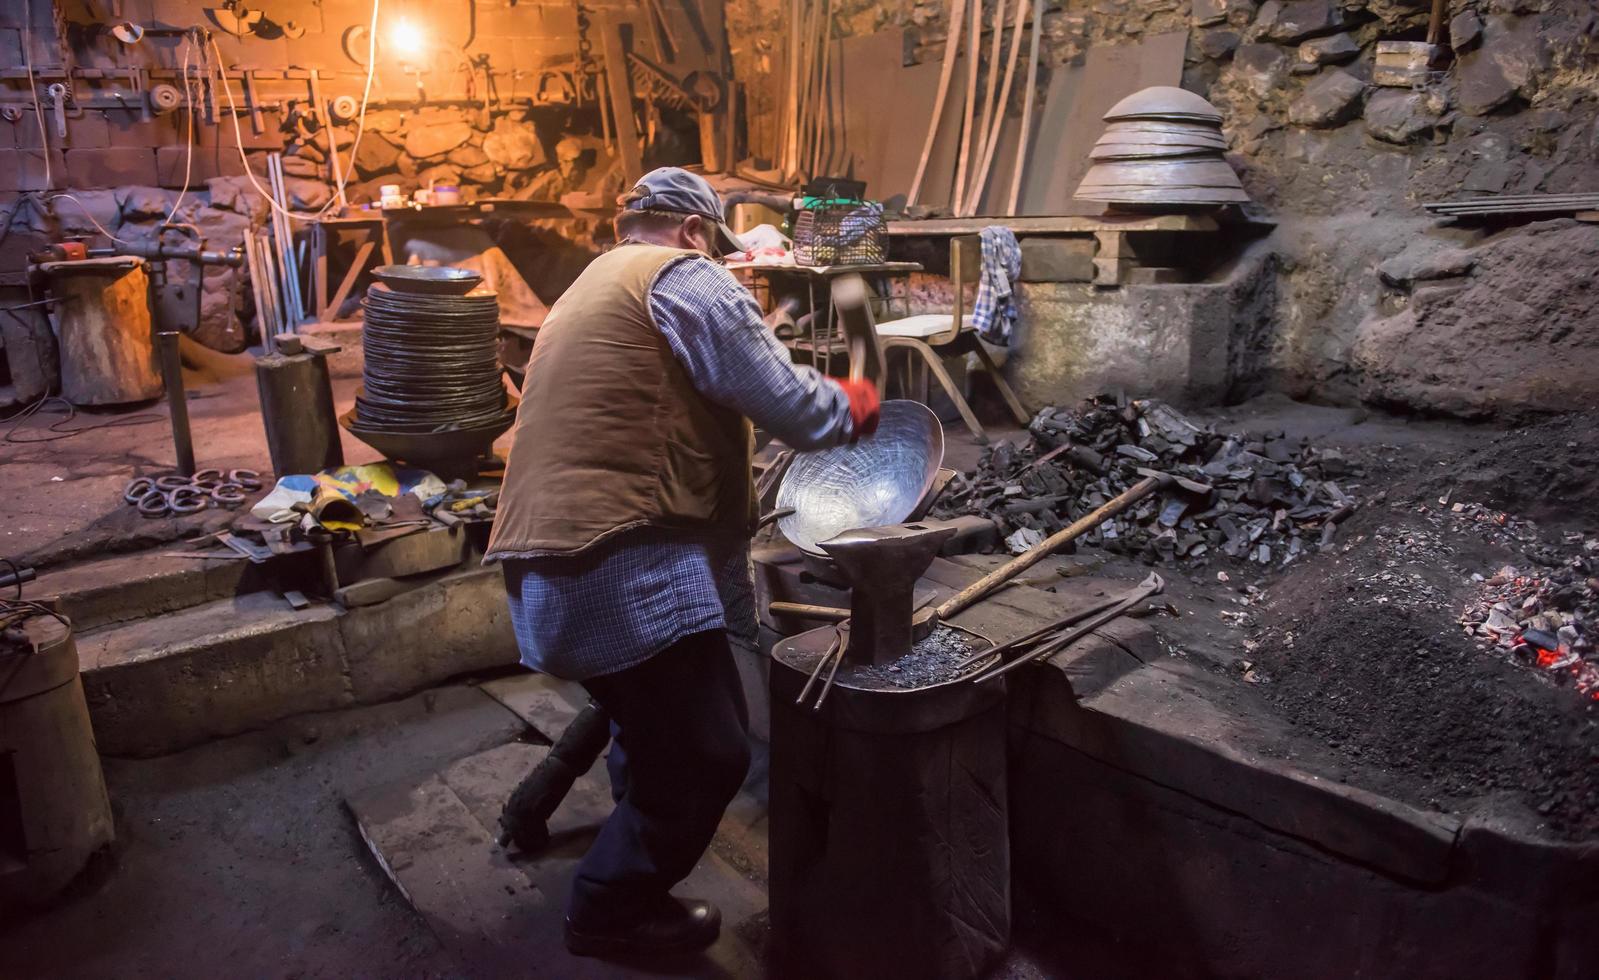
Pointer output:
823, 339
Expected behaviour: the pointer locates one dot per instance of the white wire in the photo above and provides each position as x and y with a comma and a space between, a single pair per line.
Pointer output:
189, 100
33, 87
238, 134
90, 215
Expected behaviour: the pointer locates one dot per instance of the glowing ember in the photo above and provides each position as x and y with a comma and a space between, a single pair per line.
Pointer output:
1545, 621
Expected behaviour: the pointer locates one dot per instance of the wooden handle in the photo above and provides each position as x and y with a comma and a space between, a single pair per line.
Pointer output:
1004, 573
802, 610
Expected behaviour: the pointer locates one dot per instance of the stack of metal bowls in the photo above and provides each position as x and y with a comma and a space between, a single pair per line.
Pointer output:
432, 393
1163, 148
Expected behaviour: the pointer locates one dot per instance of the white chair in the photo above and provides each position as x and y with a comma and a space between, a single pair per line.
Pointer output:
932, 337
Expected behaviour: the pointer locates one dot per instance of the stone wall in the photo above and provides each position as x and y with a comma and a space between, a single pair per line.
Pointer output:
1343, 166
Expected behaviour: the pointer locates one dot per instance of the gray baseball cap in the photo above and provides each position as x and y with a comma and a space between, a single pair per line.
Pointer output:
675, 189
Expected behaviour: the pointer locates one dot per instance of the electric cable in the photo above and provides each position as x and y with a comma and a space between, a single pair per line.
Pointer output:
17, 420
189, 97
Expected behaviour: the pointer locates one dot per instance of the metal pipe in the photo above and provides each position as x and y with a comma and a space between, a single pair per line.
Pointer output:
177, 402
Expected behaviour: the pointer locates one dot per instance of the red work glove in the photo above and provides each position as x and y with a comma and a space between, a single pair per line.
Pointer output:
863, 406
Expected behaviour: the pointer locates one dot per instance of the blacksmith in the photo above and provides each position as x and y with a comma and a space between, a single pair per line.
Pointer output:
623, 529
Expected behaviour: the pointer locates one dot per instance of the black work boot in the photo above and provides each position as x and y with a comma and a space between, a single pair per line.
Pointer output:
671, 926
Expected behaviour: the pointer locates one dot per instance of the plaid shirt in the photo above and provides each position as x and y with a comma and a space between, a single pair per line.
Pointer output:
632, 596
994, 309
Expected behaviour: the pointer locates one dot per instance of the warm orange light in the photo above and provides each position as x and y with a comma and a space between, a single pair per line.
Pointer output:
407, 37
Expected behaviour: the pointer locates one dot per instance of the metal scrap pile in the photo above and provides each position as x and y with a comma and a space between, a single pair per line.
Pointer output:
1544, 618
1275, 498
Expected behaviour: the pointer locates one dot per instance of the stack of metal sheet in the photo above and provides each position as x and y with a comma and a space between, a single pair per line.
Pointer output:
1163, 146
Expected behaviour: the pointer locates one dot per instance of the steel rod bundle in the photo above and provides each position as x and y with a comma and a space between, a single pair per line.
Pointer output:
432, 362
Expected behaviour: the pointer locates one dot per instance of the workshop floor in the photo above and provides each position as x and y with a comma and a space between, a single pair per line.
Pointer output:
242, 858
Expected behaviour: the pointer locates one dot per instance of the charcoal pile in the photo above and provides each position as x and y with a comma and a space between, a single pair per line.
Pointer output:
1546, 619
1274, 498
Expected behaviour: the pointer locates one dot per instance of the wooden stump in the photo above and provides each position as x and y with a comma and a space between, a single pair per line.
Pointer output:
107, 344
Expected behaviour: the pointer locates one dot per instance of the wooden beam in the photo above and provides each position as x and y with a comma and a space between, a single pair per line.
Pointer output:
952, 42
1027, 109
619, 83
991, 141
973, 56
1064, 225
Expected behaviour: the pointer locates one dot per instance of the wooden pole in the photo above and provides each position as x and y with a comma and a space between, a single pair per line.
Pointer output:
980, 181
980, 134
973, 54
788, 162
620, 83
824, 111
1027, 109
952, 42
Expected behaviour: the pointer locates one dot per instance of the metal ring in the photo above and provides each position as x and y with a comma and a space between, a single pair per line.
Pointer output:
153, 504
205, 475
228, 494
136, 490
208, 485
248, 479
173, 482
180, 500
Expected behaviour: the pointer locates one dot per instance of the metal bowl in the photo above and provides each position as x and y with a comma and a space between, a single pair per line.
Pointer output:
438, 280
876, 481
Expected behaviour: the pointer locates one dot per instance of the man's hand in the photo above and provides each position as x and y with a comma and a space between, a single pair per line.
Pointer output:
863, 406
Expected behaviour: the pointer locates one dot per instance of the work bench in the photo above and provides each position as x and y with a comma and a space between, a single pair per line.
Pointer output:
1106, 250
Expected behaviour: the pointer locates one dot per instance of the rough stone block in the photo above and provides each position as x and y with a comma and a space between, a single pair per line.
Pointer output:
375, 155
172, 162
111, 167
1465, 30
1260, 67
1330, 100
1395, 116
1217, 43
425, 141
128, 127
77, 215
466, 622
1299, 19
24, 170
1057, 260
1328, 51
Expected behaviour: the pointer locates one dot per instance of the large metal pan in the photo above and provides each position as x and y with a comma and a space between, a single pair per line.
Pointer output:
871, 483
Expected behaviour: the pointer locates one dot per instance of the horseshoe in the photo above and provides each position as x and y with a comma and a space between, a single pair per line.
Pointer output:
248, 479
136, 490
153, 504
186, 500
228, 494
172, 482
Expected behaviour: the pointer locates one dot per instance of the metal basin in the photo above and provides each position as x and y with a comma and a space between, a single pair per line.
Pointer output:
872, 483
439, 280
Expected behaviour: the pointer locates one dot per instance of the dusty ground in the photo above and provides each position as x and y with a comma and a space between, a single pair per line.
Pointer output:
239, 858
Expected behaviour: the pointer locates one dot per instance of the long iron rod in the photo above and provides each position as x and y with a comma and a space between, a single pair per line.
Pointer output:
1054, 542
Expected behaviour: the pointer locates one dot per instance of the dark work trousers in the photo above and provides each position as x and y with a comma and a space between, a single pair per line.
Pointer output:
679, 755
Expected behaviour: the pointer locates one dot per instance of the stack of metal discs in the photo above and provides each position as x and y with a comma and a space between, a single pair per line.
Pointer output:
432, 388
1163, 146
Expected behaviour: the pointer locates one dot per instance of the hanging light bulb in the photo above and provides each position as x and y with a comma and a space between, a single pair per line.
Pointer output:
407, 37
